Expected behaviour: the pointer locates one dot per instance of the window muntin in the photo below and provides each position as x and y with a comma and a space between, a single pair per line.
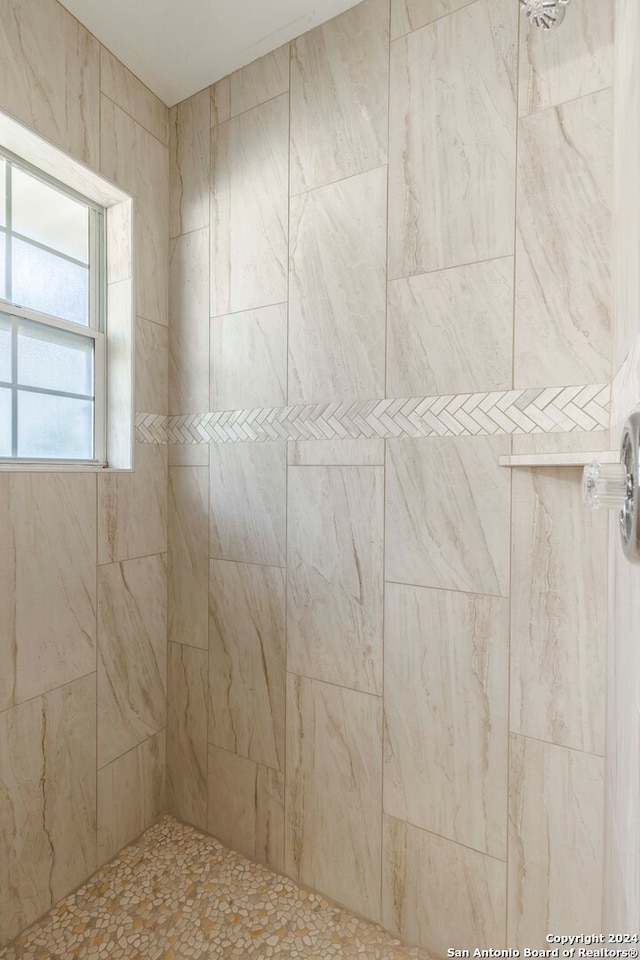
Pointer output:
52, 371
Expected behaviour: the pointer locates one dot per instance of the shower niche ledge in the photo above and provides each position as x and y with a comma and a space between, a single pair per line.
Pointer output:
558, 459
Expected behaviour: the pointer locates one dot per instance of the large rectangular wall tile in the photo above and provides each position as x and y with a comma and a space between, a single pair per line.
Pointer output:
558, 66
337, 291
623, 741
140, 164
334, 792
335, 572
440, 894
558, 618
339, 97
563, 289
626, 189
132, 507
262, 80
189, 323
409, 15
189, 164
132, 648
245, 807
446, 688
249, 359
152, 361
47, 582
451, 331
47, 801
447, 516
132, 96
249, 209
188, 593
248, 502
335, 453
247, 660
131, 795
452, 140
187, 734
556, 813
50, 75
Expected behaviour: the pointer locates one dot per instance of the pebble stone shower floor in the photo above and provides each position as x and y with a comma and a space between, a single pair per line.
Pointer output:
176, 894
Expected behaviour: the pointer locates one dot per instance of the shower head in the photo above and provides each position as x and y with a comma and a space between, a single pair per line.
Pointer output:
545, 13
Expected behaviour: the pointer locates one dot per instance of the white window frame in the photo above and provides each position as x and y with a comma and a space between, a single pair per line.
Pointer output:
95, 330
115, 299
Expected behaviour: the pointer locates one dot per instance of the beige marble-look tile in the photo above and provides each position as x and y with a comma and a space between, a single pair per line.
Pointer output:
594, 441
334, 792
188, 529
409, 15
446, 688
189, 164
262, 80
249, 359
188, 454
131, 95
50, 76
131, 795
119, 243
338, 291
622, 878
248, 502
452, 140
335, 453
47, 801
440, 894
189, 323
339, 97
250, 209
139, 163
247, 660
561, 65
132, 654
270, 818
187, 734
559, 609
555, 822
47, 582
220, 101
152, 359
447, 515
626, 183
335, 575
563, 289
132, 507
245, 806
451, 331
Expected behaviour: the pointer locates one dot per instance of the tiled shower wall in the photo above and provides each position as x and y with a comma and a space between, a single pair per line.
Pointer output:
83, 557
622, 870
386, 667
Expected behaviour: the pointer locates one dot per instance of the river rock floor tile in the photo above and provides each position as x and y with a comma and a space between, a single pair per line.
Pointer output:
177, 894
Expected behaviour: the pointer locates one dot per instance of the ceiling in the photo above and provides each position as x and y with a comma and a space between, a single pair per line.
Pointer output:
178, 47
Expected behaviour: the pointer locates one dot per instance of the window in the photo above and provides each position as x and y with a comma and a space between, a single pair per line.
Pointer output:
52, 320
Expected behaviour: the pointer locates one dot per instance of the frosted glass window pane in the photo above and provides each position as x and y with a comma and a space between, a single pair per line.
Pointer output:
41, 212
5, 347
5, 422
47, 283
3, 193
54, 360
3, 291
54, 427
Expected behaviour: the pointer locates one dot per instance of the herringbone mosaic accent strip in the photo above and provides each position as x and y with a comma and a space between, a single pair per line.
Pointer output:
151, 428
538, 410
